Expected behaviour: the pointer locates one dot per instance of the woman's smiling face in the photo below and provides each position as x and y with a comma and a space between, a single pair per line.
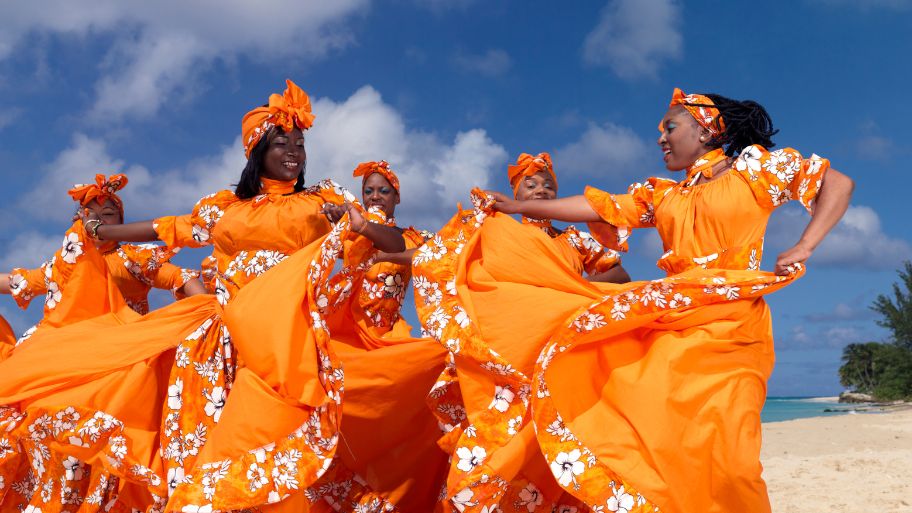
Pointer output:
683, 140
285, 156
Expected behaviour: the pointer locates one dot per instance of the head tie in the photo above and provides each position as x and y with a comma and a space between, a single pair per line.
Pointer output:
701, 108
289, 110
528, 165
366, 169
103, 189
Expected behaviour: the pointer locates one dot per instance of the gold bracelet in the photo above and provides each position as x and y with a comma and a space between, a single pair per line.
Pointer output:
93, 229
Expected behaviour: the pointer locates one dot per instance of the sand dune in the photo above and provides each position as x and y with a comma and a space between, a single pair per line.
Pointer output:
848, 463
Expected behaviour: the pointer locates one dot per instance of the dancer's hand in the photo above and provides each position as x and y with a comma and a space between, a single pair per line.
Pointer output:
799, 253
335, 212
504, 203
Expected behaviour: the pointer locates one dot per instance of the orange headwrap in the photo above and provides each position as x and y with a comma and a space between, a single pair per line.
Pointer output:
528, 165
701, 108
290, 110
103, 189
366, 169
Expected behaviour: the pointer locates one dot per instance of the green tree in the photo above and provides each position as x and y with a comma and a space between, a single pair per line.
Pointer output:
858, 370
896, 312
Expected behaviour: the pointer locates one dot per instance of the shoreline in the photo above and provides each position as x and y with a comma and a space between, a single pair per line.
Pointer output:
840, 462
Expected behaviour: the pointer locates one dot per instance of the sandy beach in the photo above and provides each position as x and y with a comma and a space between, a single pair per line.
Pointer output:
860, 462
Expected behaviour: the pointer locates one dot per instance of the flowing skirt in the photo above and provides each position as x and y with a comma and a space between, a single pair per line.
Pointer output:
572, 396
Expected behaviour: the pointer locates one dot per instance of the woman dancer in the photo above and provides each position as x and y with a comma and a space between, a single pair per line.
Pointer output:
133, 269
162, 381
533, 177
647, 395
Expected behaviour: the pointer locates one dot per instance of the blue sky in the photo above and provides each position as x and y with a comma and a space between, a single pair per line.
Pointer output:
449, 91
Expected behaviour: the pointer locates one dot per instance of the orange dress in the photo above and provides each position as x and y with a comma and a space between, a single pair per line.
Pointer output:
145, 394
7, 338
629, 397
134, 268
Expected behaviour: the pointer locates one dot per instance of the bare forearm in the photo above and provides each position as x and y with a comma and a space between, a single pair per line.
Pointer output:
385, 238
401, 258
572, 209
141, 231
832, 203
193, 287
616, 274
4, 283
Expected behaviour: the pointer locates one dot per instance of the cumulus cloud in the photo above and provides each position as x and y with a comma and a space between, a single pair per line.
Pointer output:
857, 241
159, 47
493, 63
842, 312
606, 149
635, 37
435, 172
29, 250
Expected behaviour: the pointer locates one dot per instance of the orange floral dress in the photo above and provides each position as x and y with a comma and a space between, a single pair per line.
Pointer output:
632, 397
134, 268
143, 396
594, 258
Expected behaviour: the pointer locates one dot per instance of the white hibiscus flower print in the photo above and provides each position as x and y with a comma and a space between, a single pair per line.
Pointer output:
174, 394
53, 295
530, 497
566, 466
175, 477
256, 476
200, 234
749, 160
621, 502
72, 248
502, 398
17, 284
470, 458
463, 499
215, 401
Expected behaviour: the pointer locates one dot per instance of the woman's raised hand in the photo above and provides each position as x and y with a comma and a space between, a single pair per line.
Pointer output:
504, 203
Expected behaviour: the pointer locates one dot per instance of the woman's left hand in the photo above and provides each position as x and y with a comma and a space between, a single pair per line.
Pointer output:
799, 253
335, 212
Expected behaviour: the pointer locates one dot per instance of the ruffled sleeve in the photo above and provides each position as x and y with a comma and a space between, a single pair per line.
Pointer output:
149, 264
595, 257
622, 212
415, 238
26, 284
194, 230
780, 176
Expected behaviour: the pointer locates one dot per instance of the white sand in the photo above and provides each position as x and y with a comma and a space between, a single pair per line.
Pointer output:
848, 463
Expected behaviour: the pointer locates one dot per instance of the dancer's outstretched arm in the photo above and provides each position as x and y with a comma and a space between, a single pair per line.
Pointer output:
832, 203
572, 209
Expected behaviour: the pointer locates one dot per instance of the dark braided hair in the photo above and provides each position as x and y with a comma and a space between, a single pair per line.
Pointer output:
746, 123
249, 184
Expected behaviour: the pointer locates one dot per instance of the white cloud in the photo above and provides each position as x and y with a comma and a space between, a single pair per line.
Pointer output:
8, 116
28, 250
606, 149
634, 37
435, 174
159, 47
857, 241
493, 63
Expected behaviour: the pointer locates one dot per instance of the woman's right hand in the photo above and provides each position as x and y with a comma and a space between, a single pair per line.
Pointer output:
504, 203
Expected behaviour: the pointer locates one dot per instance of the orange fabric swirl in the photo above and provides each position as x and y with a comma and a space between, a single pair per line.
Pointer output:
366, 169
103, 189
701, 108
289, 110
528, 165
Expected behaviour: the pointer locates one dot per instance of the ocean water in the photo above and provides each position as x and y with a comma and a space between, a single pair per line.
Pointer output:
787, 408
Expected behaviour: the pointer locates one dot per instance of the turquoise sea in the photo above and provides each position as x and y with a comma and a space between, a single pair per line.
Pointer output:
788, 408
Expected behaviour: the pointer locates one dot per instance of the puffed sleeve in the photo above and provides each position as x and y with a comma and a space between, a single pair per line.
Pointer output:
194, 229
150, 264
621, 212
26, 284
780, 176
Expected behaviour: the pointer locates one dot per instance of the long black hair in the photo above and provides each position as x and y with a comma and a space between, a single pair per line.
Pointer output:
746, 123
249, 184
